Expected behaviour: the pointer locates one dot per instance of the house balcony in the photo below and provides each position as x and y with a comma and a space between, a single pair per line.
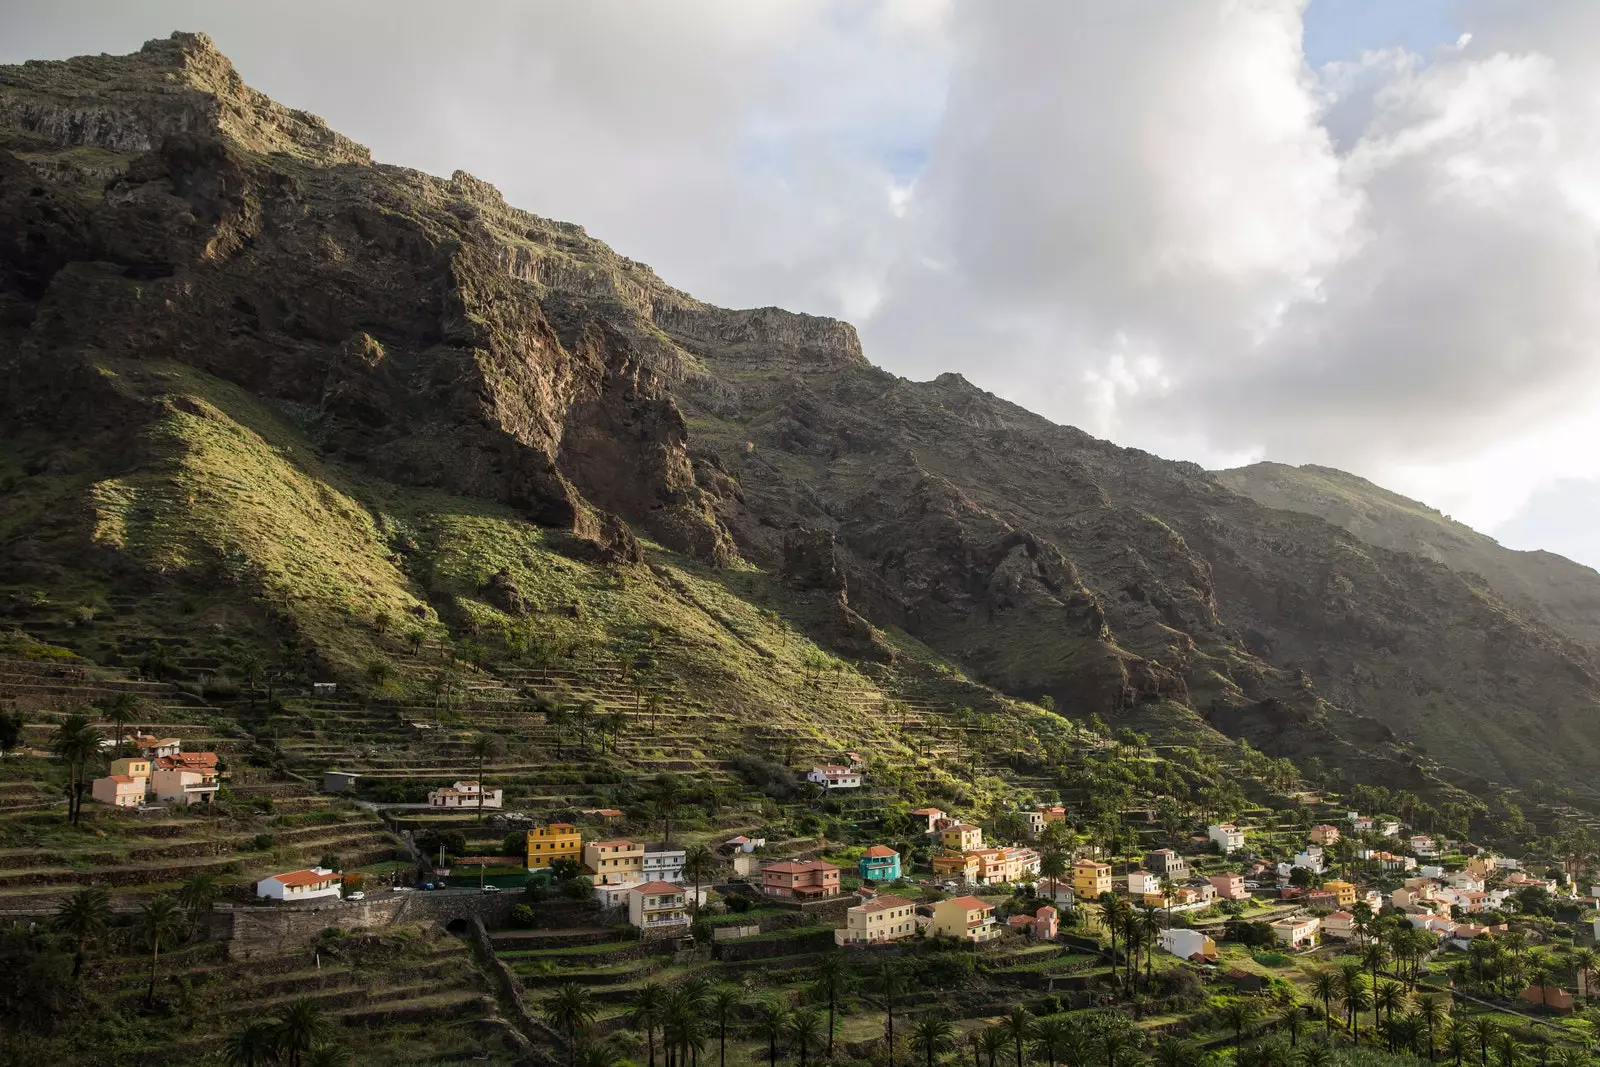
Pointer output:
986, 931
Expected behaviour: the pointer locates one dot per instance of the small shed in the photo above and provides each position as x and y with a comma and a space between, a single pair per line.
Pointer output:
339, 781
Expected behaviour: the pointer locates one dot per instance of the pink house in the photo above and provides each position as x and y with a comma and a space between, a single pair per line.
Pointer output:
800, 878
1229, 886
1041, 925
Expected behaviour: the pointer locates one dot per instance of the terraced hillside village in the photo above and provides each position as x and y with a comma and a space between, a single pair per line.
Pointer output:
328, 485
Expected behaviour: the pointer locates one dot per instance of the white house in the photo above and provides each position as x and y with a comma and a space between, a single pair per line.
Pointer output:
1226, 836
659, 908
1310, 859
1296, 932
464, 795
745, 844
834, 777
1389, 828
1142, 882
1424, 846
1188, 944
307, 884
1340, 924
664, 863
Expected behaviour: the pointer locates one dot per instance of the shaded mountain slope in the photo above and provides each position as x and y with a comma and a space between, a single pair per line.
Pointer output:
192, 259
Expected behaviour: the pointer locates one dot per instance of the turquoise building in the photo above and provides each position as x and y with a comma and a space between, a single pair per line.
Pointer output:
880, 863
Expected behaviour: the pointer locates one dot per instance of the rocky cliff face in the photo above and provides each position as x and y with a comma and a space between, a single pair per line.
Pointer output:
426, 332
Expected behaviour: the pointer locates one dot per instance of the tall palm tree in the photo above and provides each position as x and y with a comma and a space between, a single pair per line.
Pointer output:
253, 1045
683, 1022
81, 917
1386, 997
1352, 987
1325, 987
78, 743
892, 981
1484, 1032
1457, 1040
930, 1035
1053, 865
1585, 962
772, 1022
699, 865
160, 919
1237, 1014
1049, 1035
648, 1005
1116, 1042
724, 1004
1018, 1028
330, 1054
1510, 1052
833, 982
1431, 1012
1373, 958
1149, 935
666, 794
1291, 1020
198, 894
119, 712
482, 746
993, 1040
570, 1009
302, 1027
805, 1030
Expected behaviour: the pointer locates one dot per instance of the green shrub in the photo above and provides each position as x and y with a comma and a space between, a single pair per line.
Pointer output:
262, 842
522, 916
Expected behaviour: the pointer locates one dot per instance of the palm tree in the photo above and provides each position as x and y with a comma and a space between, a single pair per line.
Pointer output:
1149, 936
328, 1054
1049, 1036
648, 1006
1175, 1052
930, 1035
253, 1045
1352, 990
833, 982
724, 1005
120, 712
302, 1027
1373, 957
1053, 865
198, 894
1018, 1027
698, 866
1325, 987
666, 794
1457, 1040
1386, 997
1585, 962
1315, 1055
772, 1022
1237, 1014
1431, 1012
1484, 1032
77, 742
1116, 1041
805, 1028
599, 1054
683, 1024
81, 917
1510, 1051
159, 918
892, 981
570, 1010
1291, 1021
482, 746
993, 1039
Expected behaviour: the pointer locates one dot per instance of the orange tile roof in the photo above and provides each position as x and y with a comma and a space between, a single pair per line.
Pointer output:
658, 887
799, 866
305, 876
123, 778
928, 811
972, 902
881, 852
883, 903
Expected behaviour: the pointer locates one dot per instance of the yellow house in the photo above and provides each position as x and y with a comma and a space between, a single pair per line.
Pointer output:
965, 917
558, 841
961, 837
614, 862
962, 865
1345, 890
1090, 879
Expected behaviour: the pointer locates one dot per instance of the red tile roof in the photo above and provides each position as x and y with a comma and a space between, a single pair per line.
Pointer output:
884, 903
881, 852
799, 866
305, 877
972, 902
658, 887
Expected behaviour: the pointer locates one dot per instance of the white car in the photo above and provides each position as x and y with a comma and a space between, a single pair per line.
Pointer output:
491, 889
402, 889
357, 895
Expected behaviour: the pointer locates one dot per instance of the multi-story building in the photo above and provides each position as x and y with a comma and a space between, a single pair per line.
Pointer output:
1297, 932
880, 863
664, 863
465, 795
1226, 836
1090, 879
1230, 886
1167, 863
615, 862
1345, 891
804, 879
967, 918
831, 777
878, 921
119, 790
557, 841
931, 816
660, 909
961, 866
1324, 835
1188, 944
961, 837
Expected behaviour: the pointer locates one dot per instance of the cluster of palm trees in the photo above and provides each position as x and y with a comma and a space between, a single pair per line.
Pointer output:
80, 743
161, 922
1020, 1037
300, 1037
1139, 930
1505, 966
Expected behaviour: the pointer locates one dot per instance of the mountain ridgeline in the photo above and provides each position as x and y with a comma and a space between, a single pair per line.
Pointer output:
194, 269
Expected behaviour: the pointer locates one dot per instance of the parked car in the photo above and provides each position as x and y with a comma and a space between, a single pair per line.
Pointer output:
491, 889
357, 895
429, 885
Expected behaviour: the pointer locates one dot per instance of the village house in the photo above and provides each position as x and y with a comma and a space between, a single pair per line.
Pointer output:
614, 862
339, 781
464, 795
1042, 925
184, 777
1551, 997
1361, 823
1344, 892
1388, 860
308, 883
1297, 932
745, 844
1388, 828
602, 814
1465, 881
1229, 886
1090, 879
1168, 864
660, 909
967, 918
119, 790
1142, 882
878, 921
1321, 898
1340, 924
1035, 821
557, 841
802, 879
1425, 846
1226, 836
880, 863
961, 837
152, 747
663, 863
835, 777
1188, 945
1311, 859
958, 866
930, 816
1051, 812
1324, 835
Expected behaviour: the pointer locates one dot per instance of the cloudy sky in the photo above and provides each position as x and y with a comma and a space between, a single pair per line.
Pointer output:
1363, 233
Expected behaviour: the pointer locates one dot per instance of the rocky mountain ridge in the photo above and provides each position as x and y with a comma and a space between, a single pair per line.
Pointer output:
422, 331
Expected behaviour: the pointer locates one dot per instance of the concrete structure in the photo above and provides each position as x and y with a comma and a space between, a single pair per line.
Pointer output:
1141, 883
1552, 997
118, 790
339, 781
1324, 835
1229, 886
660, 909
615, 862
1090, 879
967, 918
1344, 892
930, 816
1042, 925
1297, 932
1425, 846
465, 795
877, 922
152, 747
558, 841
1226, 836
880, 863
1340, 924
131, 767
961, 837
180, 785
802, 879
1168, 864
960, 866
832, 777
664, 863
1189, 944
307, 884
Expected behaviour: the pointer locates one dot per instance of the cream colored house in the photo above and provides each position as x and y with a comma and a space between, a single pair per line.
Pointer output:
878, 921
660, 909
967, 918
614, 862
119, 790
